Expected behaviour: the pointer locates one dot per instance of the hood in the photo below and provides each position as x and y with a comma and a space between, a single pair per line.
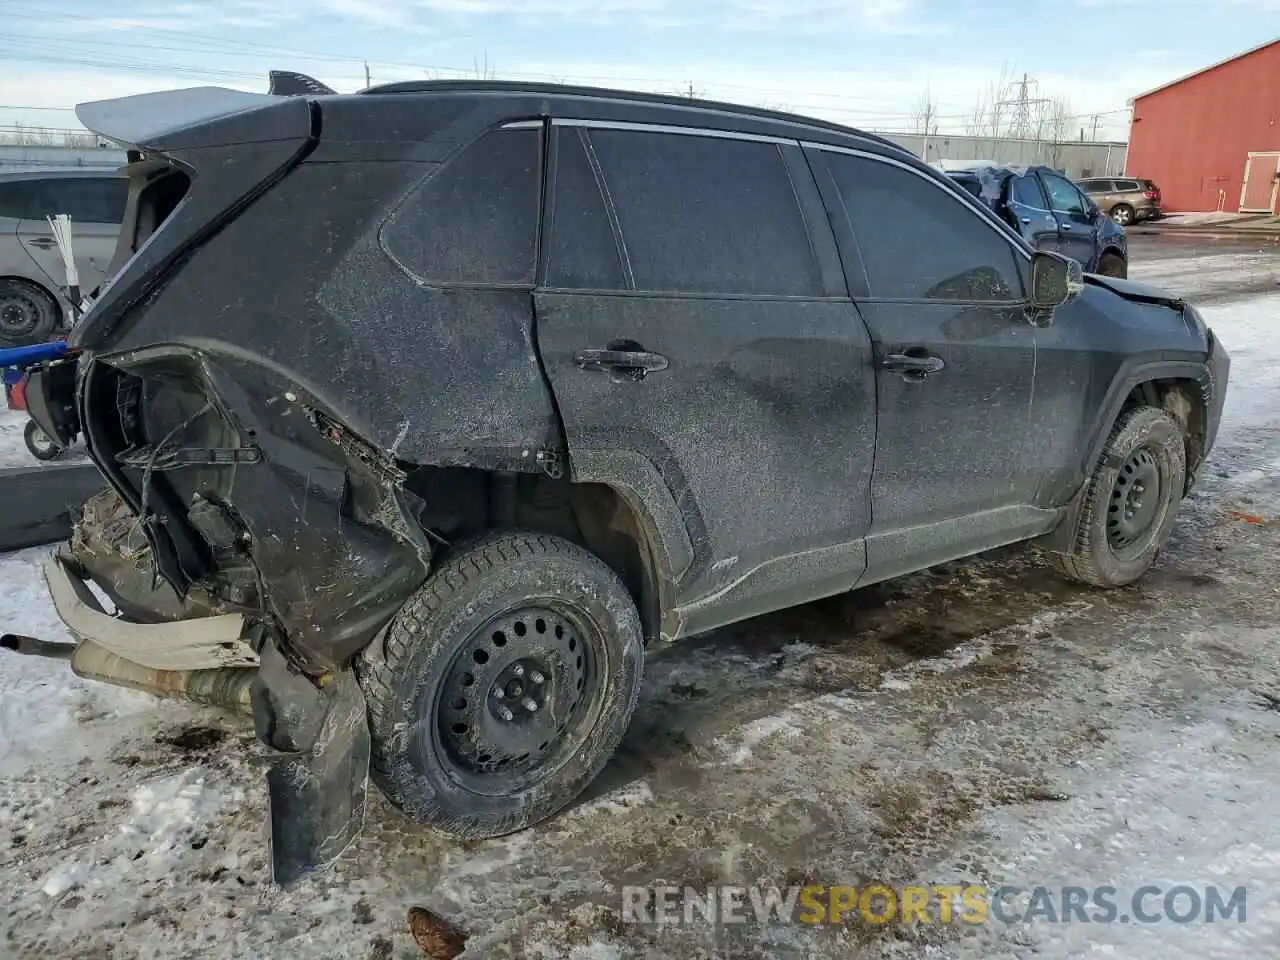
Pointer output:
1137, 292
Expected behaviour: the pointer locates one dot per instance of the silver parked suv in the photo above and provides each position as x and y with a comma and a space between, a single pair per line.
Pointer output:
33, 282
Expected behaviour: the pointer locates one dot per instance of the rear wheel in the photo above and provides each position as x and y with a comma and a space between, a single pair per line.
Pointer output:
1113, 265
503, 685
1122, 214
41, 445
28, 314
1131, 501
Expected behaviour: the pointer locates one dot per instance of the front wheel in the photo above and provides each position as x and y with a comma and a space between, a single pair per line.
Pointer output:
41, 445
503, 685
1130, 502
1113, 265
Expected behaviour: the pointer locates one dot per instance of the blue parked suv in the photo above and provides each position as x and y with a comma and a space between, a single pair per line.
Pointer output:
1051, 213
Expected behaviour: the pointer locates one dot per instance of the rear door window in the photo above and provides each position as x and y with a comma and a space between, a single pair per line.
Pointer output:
18, 199
695, 214
475, 220
1127, 185
84, 199
917, 240
1098, 186
88, 200
1027, 191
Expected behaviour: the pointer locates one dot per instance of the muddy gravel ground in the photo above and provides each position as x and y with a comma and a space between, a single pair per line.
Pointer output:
980, 723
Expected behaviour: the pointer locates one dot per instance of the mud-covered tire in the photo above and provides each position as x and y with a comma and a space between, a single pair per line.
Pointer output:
40, 444
1113, 265
28, 314
1144, 438
411, 668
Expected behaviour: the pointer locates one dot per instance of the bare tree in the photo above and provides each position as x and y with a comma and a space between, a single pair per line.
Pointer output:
483, 69
987, 117
924, 115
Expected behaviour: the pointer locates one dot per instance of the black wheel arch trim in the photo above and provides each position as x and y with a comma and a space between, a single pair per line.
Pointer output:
670, 549
1129, 378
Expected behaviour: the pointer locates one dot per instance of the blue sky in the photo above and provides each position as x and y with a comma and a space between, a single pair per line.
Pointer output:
864, 62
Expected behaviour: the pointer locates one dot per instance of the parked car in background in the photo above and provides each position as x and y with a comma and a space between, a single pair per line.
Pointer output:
1125, 200
1051, 213
33, 282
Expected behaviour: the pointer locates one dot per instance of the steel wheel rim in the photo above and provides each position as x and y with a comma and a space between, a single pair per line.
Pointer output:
42, 441
1135, 499
19, 315
1121, 217
517, 698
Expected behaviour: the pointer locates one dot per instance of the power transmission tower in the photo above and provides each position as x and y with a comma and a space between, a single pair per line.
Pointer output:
1023, 108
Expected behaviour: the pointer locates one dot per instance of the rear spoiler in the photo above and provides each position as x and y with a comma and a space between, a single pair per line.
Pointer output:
176, 120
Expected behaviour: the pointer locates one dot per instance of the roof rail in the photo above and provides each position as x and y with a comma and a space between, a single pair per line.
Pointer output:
569, 90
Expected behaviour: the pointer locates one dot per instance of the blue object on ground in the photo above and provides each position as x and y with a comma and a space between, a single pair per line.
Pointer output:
33, 353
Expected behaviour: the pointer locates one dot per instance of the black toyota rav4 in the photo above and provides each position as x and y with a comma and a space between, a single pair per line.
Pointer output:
427, 412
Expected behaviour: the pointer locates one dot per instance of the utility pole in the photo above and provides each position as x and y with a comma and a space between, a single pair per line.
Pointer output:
368, 77
1094, 135
1022, 104
690, 92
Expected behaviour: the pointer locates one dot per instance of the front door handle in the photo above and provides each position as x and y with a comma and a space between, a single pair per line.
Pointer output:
635, 364
1066, 227
43, 242
913, 366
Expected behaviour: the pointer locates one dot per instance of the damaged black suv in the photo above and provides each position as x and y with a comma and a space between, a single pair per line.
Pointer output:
427, 411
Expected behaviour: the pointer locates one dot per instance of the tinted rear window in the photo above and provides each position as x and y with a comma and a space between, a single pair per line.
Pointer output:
706, 214
583, 252
1097, 186
84, 199
1128, 185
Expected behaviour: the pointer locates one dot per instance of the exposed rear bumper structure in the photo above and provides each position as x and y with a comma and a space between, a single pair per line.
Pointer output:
207, 643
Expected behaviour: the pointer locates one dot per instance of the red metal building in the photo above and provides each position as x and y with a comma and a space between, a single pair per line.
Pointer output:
1211, 140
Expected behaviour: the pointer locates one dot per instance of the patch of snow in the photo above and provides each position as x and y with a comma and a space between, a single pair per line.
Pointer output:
614, 802
756, 733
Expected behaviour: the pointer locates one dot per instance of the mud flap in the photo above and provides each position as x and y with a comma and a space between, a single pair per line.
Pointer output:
319, 789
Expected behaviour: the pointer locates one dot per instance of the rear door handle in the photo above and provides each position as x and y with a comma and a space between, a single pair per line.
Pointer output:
913, 367
634, 363
43, 242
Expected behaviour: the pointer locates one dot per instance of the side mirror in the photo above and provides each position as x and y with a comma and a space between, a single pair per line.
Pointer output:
1055, 279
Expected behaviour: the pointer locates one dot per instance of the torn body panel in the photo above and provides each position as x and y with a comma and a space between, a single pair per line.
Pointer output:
247, 497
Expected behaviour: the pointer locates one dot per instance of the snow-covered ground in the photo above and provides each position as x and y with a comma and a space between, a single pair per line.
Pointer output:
985, 723
13, 450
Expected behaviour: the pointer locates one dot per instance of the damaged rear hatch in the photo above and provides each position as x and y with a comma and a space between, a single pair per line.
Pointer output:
243, 487
254, 499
